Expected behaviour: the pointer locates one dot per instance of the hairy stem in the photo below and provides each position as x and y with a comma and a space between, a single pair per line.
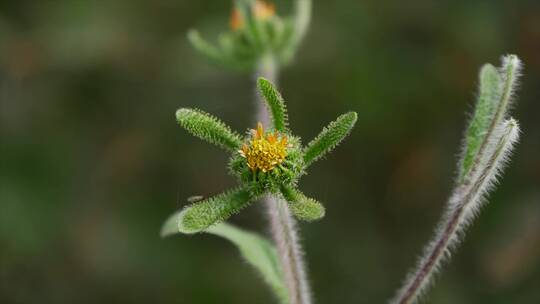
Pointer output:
462, 207
282, 224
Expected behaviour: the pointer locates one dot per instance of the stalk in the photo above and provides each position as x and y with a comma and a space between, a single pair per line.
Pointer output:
464, 204
498, 135
283, 226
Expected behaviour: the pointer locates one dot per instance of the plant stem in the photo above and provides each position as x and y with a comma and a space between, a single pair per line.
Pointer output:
462, 207
282, 224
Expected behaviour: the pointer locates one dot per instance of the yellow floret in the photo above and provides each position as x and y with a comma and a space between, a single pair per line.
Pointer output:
264, 152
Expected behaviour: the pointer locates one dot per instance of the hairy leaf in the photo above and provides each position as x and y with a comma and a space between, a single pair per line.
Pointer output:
463, 207
496, 93
275, 104
489, 96
251, 28
201, 215
489, 141
254, 248
303, 207
209, 128
206, 49
258, 252
329, 138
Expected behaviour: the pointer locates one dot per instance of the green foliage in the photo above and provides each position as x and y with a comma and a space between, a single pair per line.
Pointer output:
227, 54
329, 138
255, 36
303, 207
201, 215
258, 252
267, 162
489, 141
496, 90
510, 73
275, 104
209, 128
254, 248
302, 19
281, 179
504, 139
489, 96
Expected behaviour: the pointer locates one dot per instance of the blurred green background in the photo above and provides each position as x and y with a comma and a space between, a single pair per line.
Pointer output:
92, 161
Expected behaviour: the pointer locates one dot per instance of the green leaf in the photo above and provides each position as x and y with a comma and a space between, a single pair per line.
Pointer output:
510, 72
496, 93
259, 253
209, 128
488, 98
201, 215
255, 249
245, 9
303, 207
301, 21
275, 104
329, 138
202, 45
302, 18
205, 48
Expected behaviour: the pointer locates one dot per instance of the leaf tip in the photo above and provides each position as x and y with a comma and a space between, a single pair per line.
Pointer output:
262, 81
511, 59
308, 210
515, 130
182, 114
187, 222
511, 69
348, 120
192, 35
264, 85
170, 227
352, 116
489, 69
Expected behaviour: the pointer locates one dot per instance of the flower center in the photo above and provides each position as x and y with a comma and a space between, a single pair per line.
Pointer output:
265, 151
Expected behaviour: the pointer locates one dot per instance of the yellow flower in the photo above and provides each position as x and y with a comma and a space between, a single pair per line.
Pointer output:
265, 151
261, 10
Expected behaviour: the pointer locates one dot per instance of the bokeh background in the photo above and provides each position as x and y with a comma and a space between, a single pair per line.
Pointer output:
92, 161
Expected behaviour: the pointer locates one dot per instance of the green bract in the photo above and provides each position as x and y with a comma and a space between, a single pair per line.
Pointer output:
273, 171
